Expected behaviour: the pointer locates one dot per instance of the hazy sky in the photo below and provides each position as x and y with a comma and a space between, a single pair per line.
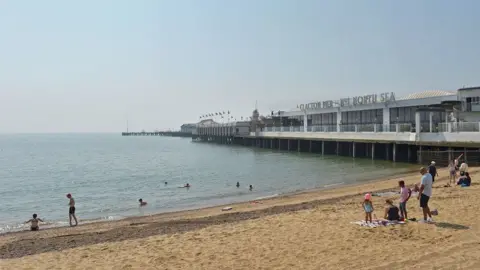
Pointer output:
87, 66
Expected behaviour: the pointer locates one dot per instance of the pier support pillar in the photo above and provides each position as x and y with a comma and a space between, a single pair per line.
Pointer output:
271, 143
387, 151
310, 146
299, 146
353, 149
409, 153
323, 147
279, 144
394, 157
420, 154
373, 151
338, 147
288, 144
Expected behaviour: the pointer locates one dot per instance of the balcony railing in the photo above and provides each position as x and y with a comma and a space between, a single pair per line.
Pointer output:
459, 127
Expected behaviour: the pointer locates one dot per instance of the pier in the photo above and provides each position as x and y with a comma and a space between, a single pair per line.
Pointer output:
396, 143
159, 133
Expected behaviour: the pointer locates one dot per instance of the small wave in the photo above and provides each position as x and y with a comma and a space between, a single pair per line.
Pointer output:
6, 228
332, 185
267, 197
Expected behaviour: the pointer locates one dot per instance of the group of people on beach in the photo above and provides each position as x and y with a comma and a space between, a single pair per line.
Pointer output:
424, 190
35, 220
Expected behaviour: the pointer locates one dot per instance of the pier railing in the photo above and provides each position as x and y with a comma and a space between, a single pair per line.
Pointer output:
459, 127
405, 127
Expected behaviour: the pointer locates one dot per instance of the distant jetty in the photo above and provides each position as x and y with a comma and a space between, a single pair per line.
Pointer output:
159, 133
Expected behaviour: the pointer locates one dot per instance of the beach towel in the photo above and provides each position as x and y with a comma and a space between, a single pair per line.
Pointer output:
377, 223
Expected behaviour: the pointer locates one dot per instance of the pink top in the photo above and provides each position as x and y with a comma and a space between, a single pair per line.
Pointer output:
403, 194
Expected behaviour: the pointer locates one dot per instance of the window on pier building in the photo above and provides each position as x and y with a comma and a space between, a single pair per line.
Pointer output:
401, 115
324, 119
362, 117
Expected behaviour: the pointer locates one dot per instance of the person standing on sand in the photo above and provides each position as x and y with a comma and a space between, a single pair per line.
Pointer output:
425, 193
71, 210
433, 170
368, 207
405, 194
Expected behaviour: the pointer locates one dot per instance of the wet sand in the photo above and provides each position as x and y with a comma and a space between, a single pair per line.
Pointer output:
309, 230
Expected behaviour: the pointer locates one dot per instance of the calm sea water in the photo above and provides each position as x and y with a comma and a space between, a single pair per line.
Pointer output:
107, 174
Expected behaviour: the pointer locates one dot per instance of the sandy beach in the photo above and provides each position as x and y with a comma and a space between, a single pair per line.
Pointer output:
310, 230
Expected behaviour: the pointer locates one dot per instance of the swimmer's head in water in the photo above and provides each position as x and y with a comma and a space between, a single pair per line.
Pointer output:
34, 215
69, 195
140, 200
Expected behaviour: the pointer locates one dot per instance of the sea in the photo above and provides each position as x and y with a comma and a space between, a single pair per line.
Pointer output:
107, 174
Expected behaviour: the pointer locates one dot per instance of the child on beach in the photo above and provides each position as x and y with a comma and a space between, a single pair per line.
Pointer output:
453, 172
34, 222
368, 207
405, 194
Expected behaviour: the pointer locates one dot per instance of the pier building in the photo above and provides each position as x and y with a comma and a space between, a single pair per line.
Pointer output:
420, 127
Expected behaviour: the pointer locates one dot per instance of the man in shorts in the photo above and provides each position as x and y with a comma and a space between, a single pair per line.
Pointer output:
71, 209
425, 193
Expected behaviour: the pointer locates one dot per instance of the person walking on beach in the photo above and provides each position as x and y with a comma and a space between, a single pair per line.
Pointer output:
433, 170
425, 193
34, 222
71, 210
405, 194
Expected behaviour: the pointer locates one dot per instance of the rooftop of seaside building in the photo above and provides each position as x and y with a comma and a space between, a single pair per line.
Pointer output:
428, 94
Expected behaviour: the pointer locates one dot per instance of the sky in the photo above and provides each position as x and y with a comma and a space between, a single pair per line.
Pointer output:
89, 66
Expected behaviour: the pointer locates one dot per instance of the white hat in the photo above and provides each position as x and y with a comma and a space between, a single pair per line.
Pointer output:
433, 162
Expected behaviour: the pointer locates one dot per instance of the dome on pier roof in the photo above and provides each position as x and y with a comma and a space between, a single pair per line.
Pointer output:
428, 94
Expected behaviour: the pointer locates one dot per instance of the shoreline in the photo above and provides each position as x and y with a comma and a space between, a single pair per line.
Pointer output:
179, 213
308, 230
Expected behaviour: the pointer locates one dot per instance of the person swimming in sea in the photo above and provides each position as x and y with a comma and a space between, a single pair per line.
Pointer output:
238, 184
166, 183
142, 203
187, 185
34, 222
251, 188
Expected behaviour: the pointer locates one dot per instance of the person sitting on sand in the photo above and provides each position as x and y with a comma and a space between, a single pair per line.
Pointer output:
464, 180
391, 211
405, 194
368, 207
34, 222
142, 203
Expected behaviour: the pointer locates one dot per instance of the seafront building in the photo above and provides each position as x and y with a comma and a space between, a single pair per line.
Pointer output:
430, 125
